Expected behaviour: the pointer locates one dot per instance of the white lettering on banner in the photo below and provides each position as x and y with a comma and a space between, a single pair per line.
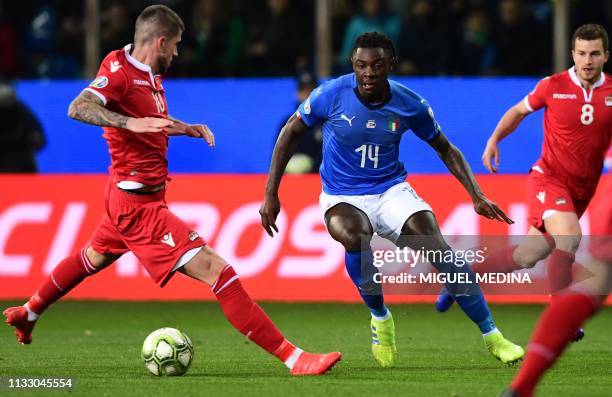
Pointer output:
128, 266
584, 223
518, 212
204, 216
67, 232
314, 255
305, 236
19, 265
462, 221
267, 249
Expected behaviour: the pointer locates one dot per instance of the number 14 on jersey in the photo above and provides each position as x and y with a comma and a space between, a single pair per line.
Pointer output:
369, 151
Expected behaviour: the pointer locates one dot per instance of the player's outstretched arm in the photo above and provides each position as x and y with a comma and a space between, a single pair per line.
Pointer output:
456, 164
192, 130
90, 109
506, 125
283, 150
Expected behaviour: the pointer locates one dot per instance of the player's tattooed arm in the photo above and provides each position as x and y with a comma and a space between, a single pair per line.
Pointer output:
90, 109
456, 164
283, 150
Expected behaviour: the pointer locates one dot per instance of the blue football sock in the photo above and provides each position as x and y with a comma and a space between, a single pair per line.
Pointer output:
360, 268
468, 296
475, 307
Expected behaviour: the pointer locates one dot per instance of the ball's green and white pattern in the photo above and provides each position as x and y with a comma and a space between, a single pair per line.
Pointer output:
167, 351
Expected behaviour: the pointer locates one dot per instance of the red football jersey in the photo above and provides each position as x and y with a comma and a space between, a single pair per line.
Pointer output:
129, 87
577, 129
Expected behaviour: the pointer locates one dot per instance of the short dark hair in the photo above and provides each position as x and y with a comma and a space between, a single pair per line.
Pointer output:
591, 32
155, 21
375, 40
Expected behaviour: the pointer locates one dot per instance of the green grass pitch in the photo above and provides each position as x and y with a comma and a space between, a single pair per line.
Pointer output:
98, 344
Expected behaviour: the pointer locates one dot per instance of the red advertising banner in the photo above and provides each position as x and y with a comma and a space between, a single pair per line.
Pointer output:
45, 218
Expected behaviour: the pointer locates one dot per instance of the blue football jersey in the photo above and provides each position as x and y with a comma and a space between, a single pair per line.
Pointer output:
361, 140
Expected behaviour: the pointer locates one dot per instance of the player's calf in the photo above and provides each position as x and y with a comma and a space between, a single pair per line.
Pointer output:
249, 319
66, 275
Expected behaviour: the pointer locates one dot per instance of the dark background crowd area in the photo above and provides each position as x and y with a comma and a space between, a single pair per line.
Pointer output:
227, 38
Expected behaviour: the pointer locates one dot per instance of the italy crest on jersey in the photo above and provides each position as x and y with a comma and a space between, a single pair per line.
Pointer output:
394, 124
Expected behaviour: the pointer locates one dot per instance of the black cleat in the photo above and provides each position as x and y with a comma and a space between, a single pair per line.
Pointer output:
579, 335
509, 393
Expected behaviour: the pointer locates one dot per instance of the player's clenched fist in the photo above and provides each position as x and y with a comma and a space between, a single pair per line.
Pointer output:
147, 124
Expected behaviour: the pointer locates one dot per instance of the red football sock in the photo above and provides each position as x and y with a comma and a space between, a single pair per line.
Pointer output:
499, 261
555, 330
247, 317
560, 270
66, 275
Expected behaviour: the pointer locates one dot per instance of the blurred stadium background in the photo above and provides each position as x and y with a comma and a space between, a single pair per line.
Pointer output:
239, 68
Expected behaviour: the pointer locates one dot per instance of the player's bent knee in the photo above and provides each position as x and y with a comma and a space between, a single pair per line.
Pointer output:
205, 266
356, 241
569, 243
354, 238
98, 260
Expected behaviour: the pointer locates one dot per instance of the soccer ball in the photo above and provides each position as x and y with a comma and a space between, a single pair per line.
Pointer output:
167, 351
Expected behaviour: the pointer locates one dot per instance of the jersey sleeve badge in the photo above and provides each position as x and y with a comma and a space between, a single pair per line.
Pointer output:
99, 82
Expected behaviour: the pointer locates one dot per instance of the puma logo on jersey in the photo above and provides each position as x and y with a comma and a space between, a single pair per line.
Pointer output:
541, 196
114, 66
350, 121
168, 240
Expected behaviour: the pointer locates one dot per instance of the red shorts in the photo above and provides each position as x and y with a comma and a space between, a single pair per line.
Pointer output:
601, 223
144, 225
545, 193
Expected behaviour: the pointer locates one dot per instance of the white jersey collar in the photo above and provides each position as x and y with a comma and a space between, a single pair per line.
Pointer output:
588, 95
137, 64
574, 77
